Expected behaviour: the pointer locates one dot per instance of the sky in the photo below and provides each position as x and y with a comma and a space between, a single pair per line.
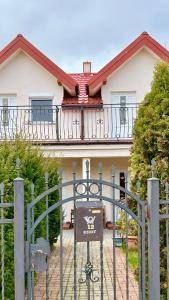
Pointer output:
72, 31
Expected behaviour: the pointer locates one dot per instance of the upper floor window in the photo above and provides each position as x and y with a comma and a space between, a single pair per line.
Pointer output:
7, 108
123, 110
5, 115
123, 102
42, 110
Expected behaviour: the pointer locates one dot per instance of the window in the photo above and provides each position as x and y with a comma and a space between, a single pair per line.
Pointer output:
5, 112
8, 113
42, 110
123, 110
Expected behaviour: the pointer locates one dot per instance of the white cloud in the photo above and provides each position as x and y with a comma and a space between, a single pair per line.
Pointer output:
70, 31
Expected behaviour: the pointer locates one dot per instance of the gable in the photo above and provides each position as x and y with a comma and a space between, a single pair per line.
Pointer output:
144, 40
20, 43
133, 76
141, 63
22, 76
23, 71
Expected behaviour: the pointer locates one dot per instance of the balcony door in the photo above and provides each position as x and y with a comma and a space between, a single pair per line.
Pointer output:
123, 114
8, 116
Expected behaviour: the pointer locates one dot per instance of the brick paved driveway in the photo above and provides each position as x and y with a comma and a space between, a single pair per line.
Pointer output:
81, 260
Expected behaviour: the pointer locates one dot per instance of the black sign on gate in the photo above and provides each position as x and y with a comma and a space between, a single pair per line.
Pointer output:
89, 221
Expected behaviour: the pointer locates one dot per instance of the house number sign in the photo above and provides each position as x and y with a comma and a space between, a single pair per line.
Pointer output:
89, 221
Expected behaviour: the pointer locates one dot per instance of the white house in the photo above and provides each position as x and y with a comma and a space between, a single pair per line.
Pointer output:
77, 116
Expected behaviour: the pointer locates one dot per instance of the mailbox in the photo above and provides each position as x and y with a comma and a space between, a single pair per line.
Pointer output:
38, 254
89, 221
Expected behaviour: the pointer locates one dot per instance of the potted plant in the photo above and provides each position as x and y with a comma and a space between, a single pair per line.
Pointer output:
132, 232
118, 232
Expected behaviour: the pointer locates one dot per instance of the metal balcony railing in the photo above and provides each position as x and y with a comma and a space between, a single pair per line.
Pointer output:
71, 124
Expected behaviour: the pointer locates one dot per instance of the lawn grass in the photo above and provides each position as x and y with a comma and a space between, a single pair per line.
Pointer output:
132, 258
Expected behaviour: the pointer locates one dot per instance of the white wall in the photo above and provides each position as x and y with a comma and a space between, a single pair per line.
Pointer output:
87, 150
23, 76
135, 75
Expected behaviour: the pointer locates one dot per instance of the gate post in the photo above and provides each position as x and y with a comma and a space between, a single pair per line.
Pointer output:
19, 239
153, 238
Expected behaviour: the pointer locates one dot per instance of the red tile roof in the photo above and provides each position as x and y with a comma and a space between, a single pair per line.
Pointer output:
82, 79
91, 102
83, 98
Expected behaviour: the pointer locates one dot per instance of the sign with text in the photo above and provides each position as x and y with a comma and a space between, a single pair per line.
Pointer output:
89, 221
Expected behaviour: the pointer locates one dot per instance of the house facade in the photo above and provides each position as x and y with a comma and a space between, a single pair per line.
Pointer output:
77, 117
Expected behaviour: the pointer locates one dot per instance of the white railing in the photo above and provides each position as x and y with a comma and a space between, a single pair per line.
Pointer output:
68, 124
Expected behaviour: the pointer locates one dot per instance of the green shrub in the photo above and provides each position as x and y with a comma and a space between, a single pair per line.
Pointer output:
32, 168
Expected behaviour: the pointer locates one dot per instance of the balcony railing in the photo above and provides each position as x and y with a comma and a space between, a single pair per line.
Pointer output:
58, 124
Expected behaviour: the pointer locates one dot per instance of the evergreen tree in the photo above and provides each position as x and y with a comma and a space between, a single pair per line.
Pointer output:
151, 141
32, 169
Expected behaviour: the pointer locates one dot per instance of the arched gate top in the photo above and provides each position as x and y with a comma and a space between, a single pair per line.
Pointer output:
85, 195
85, 181
98, 197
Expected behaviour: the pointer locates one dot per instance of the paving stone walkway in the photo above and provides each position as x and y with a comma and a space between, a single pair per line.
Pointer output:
54, 278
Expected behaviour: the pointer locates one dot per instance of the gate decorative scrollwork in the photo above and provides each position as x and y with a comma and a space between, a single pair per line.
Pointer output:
89, 274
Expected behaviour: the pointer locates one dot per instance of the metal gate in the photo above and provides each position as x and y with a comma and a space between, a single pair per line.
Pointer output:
88, 195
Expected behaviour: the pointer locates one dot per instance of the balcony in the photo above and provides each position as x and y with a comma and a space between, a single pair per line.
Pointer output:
57, 124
